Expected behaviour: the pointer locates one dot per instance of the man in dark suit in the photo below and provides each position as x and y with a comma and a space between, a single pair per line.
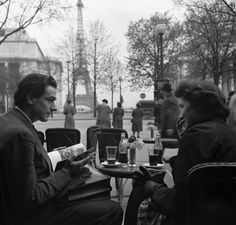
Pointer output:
104, 111
28, 186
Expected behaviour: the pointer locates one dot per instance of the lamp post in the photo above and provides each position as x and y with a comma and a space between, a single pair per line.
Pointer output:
159, 30
95, 77
68, 79
120, 79
73, 85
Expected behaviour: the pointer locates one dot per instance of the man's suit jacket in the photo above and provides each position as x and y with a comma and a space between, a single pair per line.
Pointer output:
28, 185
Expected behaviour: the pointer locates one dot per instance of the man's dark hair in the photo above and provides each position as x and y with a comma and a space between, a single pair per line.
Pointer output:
205, 97
104, 100
118, 104
33, 84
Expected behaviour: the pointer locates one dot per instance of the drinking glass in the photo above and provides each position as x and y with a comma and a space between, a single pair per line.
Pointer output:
154, 157
111, 154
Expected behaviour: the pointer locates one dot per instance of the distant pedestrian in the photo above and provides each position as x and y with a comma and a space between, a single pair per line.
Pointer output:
137, 120
104, 111
170, 112
69, 112
157, 112
51, 112
118, 116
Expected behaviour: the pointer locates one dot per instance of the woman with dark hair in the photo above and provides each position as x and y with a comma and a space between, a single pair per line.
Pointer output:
118, 114
206, 138
137, 119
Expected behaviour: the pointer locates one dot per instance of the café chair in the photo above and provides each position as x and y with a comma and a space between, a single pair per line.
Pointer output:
91, 136
41, 136
58, 137
211, 194
108, 137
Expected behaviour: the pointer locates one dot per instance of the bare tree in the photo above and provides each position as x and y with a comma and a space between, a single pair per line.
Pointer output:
20, 14
230, 6
112, 71
98, 44
210, 39
67, 48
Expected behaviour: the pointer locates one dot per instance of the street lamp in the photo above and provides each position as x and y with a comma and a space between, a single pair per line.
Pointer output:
95, 76
120, 79
159, 30
68, 78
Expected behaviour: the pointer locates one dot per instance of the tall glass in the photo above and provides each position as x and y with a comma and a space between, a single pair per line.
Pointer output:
111, 154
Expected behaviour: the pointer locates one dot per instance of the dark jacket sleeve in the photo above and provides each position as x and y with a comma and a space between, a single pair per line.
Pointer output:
27, 176
171, 201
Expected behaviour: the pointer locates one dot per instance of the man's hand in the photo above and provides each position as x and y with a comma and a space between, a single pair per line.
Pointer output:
140, 176
76, 168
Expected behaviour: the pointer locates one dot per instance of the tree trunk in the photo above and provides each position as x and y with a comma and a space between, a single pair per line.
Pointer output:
112, 96
216, 77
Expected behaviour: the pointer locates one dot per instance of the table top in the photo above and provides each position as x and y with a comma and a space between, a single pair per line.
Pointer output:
122, 172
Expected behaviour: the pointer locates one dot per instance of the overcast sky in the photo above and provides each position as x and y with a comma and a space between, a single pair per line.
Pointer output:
116, 16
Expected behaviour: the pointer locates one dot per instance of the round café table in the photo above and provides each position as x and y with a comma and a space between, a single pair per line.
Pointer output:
119, 173
126, 172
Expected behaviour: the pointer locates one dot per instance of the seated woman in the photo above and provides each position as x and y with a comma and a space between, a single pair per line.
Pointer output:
206, 138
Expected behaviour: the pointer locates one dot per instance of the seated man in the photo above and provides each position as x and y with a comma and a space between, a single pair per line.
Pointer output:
28, 185
206, 138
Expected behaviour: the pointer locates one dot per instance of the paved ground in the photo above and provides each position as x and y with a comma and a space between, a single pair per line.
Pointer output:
83, 121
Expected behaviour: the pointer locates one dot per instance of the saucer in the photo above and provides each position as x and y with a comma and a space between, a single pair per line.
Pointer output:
117, 164
159, 165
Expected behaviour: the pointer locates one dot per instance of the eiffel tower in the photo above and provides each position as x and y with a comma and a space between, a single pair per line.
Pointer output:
81, 71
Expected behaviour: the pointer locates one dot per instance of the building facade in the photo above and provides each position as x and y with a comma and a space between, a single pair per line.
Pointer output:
19, 56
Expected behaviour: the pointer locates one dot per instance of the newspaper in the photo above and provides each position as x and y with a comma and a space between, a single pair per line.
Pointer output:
66, 153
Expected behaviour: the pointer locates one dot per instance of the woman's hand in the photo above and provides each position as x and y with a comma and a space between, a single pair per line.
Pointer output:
181, 126
149, 188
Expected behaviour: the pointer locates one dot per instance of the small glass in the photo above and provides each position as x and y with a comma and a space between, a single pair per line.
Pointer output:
132, 156
154, 157
111, 154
